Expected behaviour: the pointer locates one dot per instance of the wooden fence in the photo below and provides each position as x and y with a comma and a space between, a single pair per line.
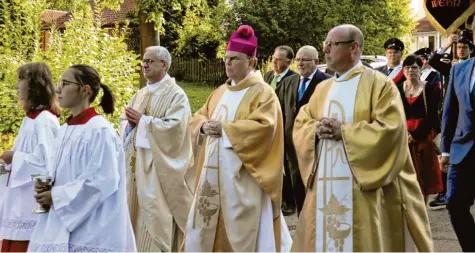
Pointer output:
198, 71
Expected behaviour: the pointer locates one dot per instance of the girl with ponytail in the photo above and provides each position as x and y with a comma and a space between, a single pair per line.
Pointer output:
87, 202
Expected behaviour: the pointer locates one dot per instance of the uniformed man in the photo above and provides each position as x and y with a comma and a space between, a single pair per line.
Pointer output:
393, 69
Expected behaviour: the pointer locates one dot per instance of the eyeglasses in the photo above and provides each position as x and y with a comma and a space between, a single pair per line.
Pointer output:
303, 59
62, 83
147, 61
336, 43
234, 58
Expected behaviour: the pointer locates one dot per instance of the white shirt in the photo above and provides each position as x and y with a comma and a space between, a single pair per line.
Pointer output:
395, 70
281, 75
310, 77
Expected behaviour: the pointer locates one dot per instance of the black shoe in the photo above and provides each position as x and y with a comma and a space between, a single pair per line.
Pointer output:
439, 202
288, 211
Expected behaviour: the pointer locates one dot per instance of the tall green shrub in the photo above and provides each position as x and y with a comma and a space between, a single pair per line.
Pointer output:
83, 41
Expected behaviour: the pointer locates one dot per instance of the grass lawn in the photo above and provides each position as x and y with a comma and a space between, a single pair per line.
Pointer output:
197, 94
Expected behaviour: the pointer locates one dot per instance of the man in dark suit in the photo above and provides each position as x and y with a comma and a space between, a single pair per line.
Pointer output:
393, 69
281, 60
296, 91
458, 150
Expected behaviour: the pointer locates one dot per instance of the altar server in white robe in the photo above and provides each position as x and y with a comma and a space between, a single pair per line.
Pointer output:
88, 202
157, 143
31, 154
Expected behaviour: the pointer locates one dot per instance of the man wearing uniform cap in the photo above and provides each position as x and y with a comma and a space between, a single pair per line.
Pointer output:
428, 74
464, 51
239, 143
394, 48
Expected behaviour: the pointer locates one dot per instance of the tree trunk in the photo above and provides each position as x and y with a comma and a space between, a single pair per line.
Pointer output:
148, 37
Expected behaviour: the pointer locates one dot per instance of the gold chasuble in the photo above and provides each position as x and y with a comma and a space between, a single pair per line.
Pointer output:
158, 152
237, 199
362, 191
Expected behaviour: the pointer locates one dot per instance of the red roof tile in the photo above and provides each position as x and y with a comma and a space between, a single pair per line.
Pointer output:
109, 17
57, 17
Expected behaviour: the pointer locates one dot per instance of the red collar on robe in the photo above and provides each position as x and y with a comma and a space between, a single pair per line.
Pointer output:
83, 117
33, 114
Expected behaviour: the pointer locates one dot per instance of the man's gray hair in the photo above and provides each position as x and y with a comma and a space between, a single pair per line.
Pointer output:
310, 49
162, 53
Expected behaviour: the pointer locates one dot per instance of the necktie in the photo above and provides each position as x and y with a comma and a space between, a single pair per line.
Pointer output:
302, 88
389, 71
273, 84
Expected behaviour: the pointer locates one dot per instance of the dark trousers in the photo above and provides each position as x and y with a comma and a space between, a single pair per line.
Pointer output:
297, 186
287, 189
299, 191
444, 182
460, 196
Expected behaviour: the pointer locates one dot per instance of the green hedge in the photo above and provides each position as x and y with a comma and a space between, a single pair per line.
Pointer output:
83, 41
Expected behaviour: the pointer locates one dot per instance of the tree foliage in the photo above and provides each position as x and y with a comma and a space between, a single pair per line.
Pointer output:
306, 22
83, 41
202, 33
191, 29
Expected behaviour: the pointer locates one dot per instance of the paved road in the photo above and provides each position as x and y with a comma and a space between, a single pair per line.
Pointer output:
442, 232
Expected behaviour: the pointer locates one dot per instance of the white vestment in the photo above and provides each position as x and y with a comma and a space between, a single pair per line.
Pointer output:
33, 151
89, 211
227, 187
158, 152
335, 180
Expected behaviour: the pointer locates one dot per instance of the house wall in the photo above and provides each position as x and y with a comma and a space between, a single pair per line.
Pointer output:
419, 40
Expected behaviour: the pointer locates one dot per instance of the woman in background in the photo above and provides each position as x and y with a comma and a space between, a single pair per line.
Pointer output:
421, 107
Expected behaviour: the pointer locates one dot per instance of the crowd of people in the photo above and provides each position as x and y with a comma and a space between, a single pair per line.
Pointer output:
354, 151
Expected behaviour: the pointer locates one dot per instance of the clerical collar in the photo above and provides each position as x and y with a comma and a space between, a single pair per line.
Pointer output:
154, 86
233, 83
34, 113
342, 77
83, 117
